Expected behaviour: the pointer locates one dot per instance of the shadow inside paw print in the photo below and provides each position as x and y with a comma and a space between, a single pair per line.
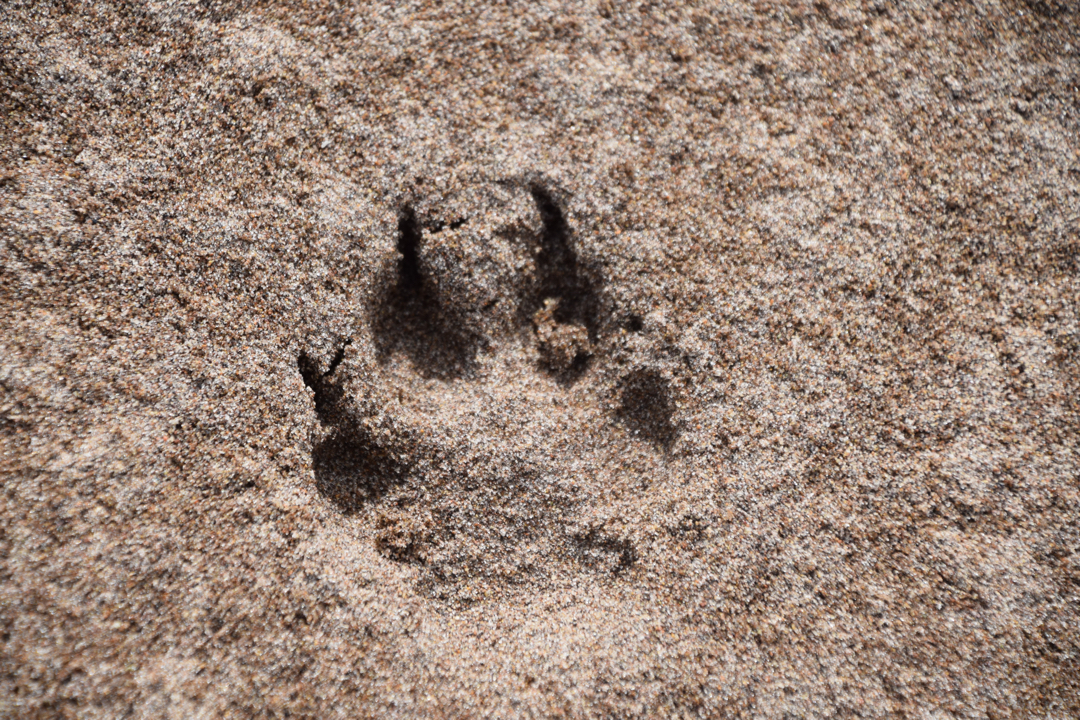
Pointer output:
476, 268
480, 479
352, 471
559, 277
646, 407
411, 318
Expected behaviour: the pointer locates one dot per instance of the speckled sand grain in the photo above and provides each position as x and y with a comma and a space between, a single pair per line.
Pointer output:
591, 360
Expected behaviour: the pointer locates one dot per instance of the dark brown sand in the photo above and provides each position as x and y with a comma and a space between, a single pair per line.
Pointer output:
548, 360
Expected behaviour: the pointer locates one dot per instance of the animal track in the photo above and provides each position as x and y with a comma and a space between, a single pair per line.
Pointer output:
327, 392
412, 319
475, 475
479, 266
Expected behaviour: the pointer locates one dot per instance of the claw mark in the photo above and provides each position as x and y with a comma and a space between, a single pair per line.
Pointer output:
327, 393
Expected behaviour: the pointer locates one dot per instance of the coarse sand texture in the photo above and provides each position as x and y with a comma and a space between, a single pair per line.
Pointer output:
541, 359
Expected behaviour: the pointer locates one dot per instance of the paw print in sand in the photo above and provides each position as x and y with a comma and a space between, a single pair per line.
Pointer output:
477, 267
465, 429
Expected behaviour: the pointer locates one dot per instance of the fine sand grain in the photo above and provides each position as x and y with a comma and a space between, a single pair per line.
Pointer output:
578, 359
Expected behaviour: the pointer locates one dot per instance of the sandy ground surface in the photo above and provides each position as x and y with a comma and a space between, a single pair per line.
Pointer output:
583, 359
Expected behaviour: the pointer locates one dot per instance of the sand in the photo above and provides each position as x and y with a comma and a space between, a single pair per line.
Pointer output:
590, 360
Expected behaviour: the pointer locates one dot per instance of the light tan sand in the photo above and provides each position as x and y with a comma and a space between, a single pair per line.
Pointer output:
525, 360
